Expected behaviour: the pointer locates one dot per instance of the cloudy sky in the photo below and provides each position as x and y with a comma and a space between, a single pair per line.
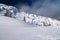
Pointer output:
14, 2
49, 8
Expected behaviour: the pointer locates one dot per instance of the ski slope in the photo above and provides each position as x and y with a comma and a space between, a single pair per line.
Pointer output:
13, 29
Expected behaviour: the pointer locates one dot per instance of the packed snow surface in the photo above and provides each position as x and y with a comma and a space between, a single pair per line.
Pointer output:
13, 29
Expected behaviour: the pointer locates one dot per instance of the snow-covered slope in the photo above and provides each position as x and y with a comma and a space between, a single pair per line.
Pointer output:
11, 11
37, 20
21, 28
12, 29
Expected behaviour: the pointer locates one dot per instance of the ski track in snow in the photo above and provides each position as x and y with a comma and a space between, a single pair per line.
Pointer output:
12, 29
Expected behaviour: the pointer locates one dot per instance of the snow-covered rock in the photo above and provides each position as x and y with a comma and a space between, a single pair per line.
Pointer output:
37, 20
9, 11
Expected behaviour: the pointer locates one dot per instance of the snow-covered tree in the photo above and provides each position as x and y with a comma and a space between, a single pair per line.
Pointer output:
37, 20
9, 11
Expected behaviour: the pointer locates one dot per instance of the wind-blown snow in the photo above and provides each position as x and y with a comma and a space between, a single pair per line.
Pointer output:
12, 29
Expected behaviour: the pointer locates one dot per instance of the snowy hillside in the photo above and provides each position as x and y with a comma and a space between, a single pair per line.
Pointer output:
37, 20
27, 26
11, 11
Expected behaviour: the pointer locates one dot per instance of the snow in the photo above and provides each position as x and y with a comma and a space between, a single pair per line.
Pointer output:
28, 27
9, 11
12, 12
13, 29
37, 20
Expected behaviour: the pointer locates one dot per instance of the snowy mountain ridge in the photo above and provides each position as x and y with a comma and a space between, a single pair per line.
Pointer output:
37, 20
